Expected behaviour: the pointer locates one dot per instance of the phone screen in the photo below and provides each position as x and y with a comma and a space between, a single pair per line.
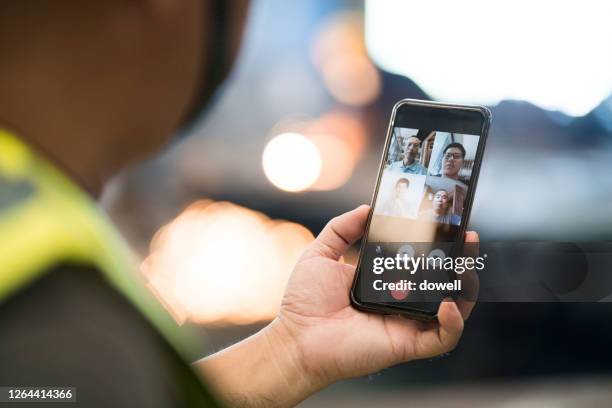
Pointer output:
421, 204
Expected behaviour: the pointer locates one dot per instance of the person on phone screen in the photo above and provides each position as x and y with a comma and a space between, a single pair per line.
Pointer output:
453, 156
409, 164
399, 204
440, 211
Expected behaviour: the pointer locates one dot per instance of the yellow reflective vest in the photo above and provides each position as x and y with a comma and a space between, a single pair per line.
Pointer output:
46, 220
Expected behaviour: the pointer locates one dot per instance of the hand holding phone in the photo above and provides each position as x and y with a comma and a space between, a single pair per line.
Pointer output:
321, 337
327, 338
410, 257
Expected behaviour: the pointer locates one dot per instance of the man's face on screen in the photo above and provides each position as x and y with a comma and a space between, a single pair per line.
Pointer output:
440, 200
412, 148
401, 189
453, 161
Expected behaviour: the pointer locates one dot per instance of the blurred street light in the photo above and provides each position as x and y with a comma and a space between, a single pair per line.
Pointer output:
291, 162
339, 52
221, 263
341, 140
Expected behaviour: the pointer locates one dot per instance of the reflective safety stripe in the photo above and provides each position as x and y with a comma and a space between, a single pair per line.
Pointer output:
46, 220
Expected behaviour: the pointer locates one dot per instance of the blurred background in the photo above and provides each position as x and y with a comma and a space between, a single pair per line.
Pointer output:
295, 137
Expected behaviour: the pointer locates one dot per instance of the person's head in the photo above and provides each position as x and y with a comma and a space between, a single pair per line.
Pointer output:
452, 160
412, 149
127, 72
440, 201
401, 187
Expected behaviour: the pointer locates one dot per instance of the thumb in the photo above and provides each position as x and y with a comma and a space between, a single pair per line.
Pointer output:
339, 234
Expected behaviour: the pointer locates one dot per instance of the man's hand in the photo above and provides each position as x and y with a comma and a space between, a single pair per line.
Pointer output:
337, 341
319, 338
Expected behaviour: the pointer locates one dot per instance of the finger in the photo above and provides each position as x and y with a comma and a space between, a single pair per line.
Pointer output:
469, 279
472, 240
451, 324
339, 234
469, 293
444, 337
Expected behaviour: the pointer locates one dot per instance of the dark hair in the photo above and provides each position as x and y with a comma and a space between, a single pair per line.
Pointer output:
422, 134
458, 146
402, 181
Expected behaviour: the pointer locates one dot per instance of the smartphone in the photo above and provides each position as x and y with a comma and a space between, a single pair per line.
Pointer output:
420, 207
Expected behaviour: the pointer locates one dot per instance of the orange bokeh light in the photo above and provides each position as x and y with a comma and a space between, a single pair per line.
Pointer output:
291, 162
219, 263
340, 54
341, 140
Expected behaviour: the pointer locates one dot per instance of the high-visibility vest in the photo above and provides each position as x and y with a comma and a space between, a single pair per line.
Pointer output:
46, 220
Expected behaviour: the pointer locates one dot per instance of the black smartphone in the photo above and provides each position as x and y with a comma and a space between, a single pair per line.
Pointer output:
420, 208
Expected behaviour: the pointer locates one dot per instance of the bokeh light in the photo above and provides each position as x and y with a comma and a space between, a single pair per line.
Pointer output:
341, 140
342, 33
219, 263
291, 162
338, 161
351, 79
339, 52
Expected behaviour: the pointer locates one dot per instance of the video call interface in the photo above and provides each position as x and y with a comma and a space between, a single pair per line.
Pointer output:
423, 186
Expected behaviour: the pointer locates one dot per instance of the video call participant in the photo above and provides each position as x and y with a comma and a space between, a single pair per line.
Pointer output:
440, 211
399, 205
409, 164
452, 162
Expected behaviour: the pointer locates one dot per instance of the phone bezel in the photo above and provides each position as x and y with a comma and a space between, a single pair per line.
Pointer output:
486, 121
